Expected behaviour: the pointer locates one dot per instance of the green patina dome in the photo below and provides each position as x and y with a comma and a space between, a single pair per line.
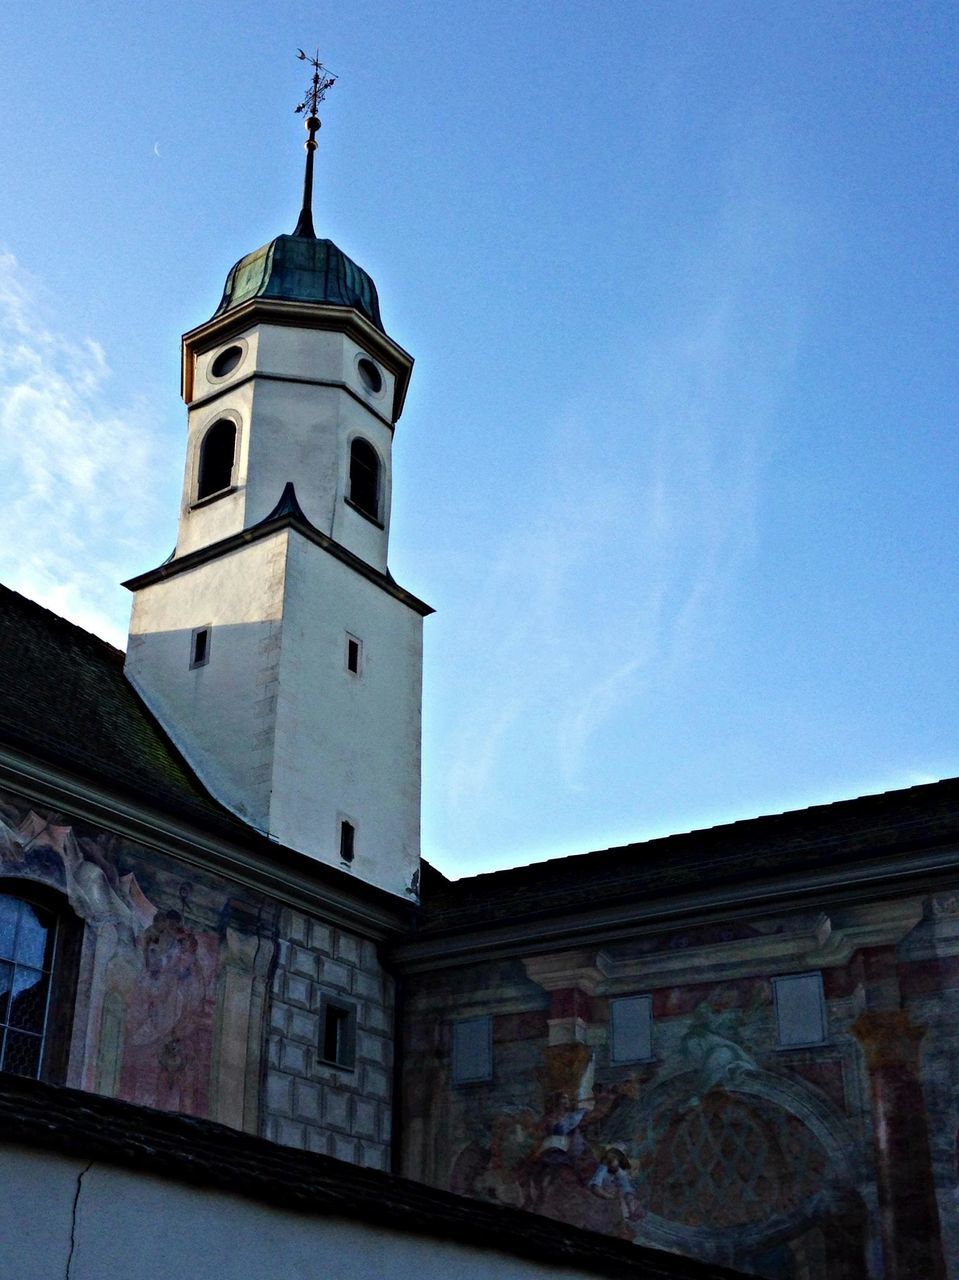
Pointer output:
301, 268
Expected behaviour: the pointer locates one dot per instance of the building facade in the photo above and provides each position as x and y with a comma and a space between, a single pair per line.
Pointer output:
735, 1047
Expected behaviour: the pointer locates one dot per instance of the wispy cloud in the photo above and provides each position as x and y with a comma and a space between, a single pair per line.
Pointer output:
78, 472
621, 574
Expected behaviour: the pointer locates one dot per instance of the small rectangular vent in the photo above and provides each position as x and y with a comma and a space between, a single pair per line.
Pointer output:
200, 647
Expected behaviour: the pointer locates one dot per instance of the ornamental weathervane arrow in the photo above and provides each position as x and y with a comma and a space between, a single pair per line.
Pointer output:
315, 93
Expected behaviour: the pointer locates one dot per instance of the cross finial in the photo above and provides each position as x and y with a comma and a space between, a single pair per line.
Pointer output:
315, 93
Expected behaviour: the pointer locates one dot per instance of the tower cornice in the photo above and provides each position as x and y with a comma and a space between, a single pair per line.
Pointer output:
286, 515
301, 315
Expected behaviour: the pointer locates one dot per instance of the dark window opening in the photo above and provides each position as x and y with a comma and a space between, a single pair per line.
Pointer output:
369, 374
226, 362
28, 936
216, 459
200, 649
353, 655
338, 1034
347, 837
365, 478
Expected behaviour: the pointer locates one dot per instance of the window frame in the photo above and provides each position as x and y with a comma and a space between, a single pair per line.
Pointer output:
374, 515
201, 499
63, 972
328, 1004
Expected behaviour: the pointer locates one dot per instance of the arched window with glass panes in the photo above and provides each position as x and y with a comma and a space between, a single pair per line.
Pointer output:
35, 939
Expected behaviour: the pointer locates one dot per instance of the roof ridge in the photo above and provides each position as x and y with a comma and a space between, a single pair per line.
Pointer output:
549, 864
58, 620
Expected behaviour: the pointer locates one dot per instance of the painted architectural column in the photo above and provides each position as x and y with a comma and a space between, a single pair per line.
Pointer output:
912, 1245
571, 979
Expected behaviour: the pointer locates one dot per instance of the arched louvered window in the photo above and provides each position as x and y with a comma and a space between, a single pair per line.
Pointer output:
37, 943
365, 478
216, 458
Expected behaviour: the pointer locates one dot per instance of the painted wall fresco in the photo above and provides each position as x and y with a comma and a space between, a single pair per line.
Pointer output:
723, 1145
172, 983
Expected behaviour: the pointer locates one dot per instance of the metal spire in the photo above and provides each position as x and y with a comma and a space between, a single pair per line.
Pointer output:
315, 93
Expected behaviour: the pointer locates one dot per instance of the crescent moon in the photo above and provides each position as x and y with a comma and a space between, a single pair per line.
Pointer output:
156, 149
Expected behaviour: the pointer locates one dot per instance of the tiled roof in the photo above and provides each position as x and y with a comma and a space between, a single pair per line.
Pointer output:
824, 837
64, 698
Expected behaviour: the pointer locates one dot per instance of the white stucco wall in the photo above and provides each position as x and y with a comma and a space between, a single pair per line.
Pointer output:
274, 724
61, 1217
295, 423
220, 715
348, 746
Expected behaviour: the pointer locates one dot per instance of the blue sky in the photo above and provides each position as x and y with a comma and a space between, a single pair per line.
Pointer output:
678, 464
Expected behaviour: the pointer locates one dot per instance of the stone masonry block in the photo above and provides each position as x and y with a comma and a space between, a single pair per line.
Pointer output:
279, 1093
333, 974
298, 927
290, 1134
344, 1148
321, 937
306, 1100
373, 1017
372, 1155
273, 1051
303, 962
297, 990
368, 957
368, 986
336, 1109
303, 1026
279, 1017
376, 1083
364, 1118
347, 948
317, 1140
293, 1057
386, 1125
372, 1048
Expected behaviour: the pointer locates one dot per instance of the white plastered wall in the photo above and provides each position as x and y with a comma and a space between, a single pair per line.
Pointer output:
291, 427
61, 1216
348, 746
220, 715
274, 724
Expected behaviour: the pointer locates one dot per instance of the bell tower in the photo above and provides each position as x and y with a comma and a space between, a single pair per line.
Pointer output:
274, 645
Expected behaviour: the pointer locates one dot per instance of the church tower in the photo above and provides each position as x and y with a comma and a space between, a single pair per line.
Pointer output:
274, 646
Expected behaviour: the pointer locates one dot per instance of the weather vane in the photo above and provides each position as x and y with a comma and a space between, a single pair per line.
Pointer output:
315, 93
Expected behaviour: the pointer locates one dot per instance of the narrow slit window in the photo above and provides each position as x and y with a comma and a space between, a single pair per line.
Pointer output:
338, 1034
347, 841
353, 655
365, 478
200, 647
217, 453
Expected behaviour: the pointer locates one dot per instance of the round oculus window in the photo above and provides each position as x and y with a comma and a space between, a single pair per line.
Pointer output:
226, 361
370, 376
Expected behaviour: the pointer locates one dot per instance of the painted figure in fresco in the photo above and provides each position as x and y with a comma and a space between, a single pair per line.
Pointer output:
166, 1063
611, 1185
711, 1046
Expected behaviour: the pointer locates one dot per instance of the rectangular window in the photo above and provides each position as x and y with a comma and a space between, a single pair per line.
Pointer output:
200, 647
800, 1010
631, 1029
347, 840
337, 1045
353, 649
472, 1050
